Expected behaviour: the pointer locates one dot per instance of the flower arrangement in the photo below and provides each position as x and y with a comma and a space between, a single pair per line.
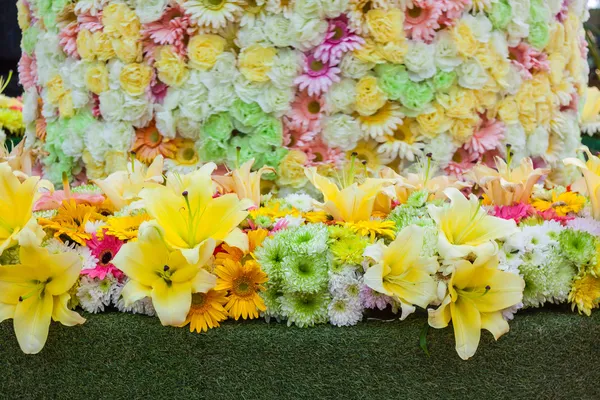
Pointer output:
300, 83
195, 249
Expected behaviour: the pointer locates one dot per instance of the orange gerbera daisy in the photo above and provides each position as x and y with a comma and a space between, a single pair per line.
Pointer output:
70, 220
206, 311
243, 283
255, 239
149, 143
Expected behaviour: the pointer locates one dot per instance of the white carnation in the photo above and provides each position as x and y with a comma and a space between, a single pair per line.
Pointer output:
49, 56
149, 10
420, 60
480, 26
278, 30
442, 149
165, 121
250, 35
30, 105
341, 130
119, 136
300, 201
186, 127
309, 31
286, 67
248, 90
538, 141
472, 75
276, 100
516, 137
446, 54
221, 97
341, 97
352, 67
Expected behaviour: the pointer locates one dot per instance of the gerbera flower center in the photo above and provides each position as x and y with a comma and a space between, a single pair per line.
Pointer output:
314, 107
214, 4
106, 257
415, 12
188, 154
316, 65
338, 33
154, 137
243, 287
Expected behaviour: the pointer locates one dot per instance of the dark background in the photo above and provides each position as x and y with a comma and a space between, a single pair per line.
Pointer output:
10, 49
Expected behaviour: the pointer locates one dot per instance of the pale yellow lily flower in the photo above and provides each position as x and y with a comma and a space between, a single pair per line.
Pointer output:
464, 227
123, 187
591, 109
16, 205
36, 291
163, 274
591, 176
351, 204
505, 186
477, 294
401, 272
244, 183
193, 216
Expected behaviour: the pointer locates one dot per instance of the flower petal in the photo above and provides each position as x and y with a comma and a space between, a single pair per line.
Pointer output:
134, 291
172, 302
203, 282
62, 314
32, 322
467, 327
495, 323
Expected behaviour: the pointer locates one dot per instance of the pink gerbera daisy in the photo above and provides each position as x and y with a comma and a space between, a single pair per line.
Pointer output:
172, 28
68, 39
90, 22
528, 60
515, 212
486, 137
461, 162
27, 71
339, 40
452, 11
320, 154
306, 111
317, 77
104, 250
295, 135
421, 19
52, 201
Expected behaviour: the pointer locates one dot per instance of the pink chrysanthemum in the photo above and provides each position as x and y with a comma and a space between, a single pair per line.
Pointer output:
27, 71
461, 162
421, 19
317, 77
528, 60
339, 40
589, 225
68, 39
452, 11
90, 22
295, 135
306, 111
320, 154
172, 28
372, 299
515, 212
486, 138
104, 250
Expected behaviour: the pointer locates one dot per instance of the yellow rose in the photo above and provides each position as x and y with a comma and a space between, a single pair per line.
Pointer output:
170, 66
386, 25
256, 61
204, 49
56, 89
65, 105
96, 78
103, 46
434, 123
369, 52
458, 102
466, 43
119, 20
127, 50
369, 97
394, 52
135, 78
23, 15
291, 169
85, 45
508, 111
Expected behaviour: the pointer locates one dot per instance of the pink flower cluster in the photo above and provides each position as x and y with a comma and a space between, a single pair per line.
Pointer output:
424, 17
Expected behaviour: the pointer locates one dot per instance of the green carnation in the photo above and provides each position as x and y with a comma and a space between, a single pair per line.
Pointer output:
416, 95
500, 14
304, 274
239, 151
212, 150
578, 246
268, 133
218, 127
539, 34
538, 11
391, 79
305, 310
443, 81
29, 39
249, 114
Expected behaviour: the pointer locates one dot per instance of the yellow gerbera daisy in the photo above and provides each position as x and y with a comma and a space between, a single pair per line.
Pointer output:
315, 217
383, 122
563, 204
243, 283
124, 228
367, 152
70, 220
206, 311
273, 211
255, 239
373, 228
585, 294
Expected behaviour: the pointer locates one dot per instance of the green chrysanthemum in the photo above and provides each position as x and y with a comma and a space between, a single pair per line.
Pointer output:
578, 246
339, 232
305, 310
88, 189
271, 298
547, 281
304, 274
306, 239
406, 215
349, 250
270, 256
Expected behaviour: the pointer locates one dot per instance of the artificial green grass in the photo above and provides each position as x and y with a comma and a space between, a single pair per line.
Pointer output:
548, 354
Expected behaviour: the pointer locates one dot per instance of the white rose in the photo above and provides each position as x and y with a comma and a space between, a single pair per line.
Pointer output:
420, 60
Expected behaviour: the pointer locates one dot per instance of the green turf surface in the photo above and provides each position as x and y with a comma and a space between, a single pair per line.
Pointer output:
548, 354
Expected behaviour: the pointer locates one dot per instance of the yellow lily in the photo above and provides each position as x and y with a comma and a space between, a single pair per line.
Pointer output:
353, 203
163, 274
191, 217
244, 183
16, 205
465, 227
477, 294
36, 291
123, 187
505, 185
591, 109
401, 272
591, 176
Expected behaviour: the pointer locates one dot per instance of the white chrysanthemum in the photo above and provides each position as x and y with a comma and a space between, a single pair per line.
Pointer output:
93, 226
345, 282
509, 261
442, 149
480, 26
538, 141
446, 54
309, 31
286, 67
472, 75
276, 99
354, 68
149, 10
300, 201
345, 311
420, 60
30, 105
341, 97
341, 131
143, 306
88, 261
95, 294
213, 13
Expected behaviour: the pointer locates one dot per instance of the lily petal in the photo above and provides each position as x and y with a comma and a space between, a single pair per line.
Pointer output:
466, 321
32, 322
172, 302
495, 323
62, 314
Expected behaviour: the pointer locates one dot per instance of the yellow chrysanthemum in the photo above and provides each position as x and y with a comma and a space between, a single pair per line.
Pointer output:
124, 228
206, 311
562, 204
243, 282
70, 220
373, 228
585, 294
